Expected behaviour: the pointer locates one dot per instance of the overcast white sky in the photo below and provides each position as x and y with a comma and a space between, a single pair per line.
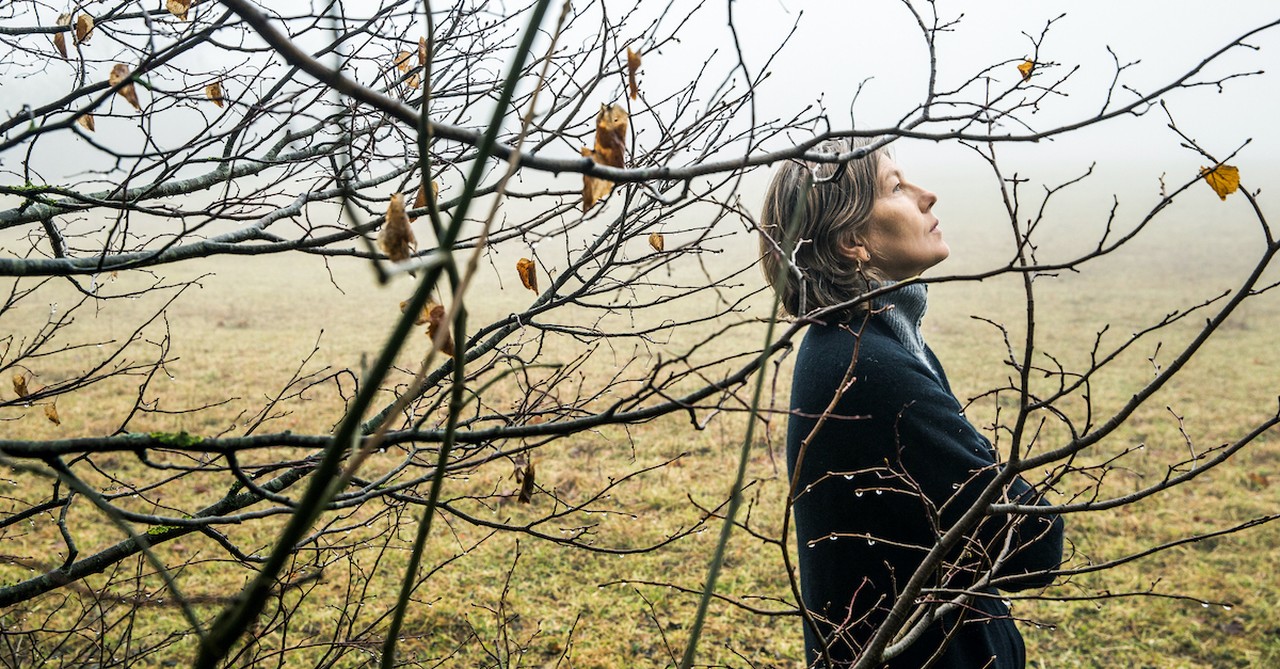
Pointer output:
839, 44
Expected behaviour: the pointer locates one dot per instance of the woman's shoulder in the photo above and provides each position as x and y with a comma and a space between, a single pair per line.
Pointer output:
868, 338
879, 361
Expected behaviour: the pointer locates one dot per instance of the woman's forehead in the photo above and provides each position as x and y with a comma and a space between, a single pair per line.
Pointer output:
888, 166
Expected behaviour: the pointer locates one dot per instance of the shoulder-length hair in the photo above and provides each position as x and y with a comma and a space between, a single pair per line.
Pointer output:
820, 271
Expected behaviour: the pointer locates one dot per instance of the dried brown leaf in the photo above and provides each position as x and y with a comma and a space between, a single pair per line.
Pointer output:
120, 73
402, 64
611, 141
633, 64
422, 52
60, 38
178, 8
51, 412
423, 317
1223, 179
657, 242
592, 188
420, 200
86, 121
435, 321
20, 385
526, 476
528, 273
84, 28
396, 237
214, 93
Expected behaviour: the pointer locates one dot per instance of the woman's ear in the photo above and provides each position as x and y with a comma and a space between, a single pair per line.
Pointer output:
856, 251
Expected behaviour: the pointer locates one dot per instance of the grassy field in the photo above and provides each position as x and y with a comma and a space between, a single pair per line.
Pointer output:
505, 599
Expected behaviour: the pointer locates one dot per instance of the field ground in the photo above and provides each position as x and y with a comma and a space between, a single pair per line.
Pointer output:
521, 601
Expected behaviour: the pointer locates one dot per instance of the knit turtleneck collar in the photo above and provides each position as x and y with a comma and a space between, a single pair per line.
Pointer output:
903, 310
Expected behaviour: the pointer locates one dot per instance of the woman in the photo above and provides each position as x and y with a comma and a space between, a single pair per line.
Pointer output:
883, 461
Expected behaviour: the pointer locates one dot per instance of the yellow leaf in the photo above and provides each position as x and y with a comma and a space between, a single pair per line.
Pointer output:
20, 385
657, 242
1223, 179
51, 412
86, 121
84, 28
396, 238
178, 8
435, 321
611, 136
1025, 67
120, 73
633, 64
528, 273
214, 93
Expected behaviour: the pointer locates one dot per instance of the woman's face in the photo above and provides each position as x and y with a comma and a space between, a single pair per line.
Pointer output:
903, 238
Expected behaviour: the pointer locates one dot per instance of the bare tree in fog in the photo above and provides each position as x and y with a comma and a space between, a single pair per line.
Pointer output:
428, 141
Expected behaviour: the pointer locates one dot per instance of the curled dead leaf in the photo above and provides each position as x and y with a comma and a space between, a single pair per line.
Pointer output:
20, 385
119, 73
84, 28
51, 412
86, 122
1025, 67
420, 201
528, 273
1223, 179
657, 242
396, 237
633, 64
422, 52
526, 476
611, 141
214, 93
435, 322
178, 8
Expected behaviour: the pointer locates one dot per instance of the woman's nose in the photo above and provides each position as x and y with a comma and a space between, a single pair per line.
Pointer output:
927, 199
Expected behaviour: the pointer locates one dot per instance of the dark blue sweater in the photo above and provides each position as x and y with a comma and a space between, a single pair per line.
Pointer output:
890, 471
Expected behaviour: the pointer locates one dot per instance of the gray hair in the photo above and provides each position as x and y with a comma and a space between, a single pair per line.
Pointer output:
833, 216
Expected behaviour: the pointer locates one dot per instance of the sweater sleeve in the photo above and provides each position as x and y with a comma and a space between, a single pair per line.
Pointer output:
906, 424
953, 462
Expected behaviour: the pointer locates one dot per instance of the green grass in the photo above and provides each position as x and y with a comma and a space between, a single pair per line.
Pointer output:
510, 600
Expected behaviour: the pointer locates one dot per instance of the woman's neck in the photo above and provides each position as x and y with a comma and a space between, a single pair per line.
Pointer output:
903, 310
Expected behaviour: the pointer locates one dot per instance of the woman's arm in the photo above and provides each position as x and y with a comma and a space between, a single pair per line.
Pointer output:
900, 428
